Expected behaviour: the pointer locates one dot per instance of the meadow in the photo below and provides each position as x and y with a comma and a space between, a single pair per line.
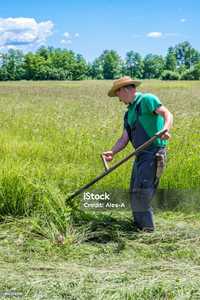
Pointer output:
51, 138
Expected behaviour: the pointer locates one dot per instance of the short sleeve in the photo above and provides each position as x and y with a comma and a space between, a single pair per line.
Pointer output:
151, 103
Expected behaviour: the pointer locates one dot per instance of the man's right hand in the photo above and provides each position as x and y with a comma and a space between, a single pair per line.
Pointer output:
120, 144
108, 155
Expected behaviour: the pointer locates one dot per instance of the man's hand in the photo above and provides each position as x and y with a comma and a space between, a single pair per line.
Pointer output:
166, 136
108, 155
120, 144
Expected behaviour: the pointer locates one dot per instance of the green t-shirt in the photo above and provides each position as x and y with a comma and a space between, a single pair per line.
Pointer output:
149, 120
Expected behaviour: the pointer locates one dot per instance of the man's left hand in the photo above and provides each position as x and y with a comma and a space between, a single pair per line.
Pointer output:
165, 136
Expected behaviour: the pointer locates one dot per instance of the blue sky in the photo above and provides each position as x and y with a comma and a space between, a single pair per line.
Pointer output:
89, 27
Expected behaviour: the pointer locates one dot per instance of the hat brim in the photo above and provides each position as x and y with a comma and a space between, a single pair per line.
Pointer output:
113, 90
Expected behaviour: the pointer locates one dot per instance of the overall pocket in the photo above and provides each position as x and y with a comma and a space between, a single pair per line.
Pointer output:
160, 162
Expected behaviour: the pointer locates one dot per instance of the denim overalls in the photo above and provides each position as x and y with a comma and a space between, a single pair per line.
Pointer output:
143, 179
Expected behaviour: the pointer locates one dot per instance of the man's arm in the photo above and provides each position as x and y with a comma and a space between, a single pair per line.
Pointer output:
119, 145
168, 117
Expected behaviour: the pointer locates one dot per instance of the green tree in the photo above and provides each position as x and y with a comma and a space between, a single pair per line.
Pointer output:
170, 75
55, 64
80, 68
61, 64
97, 69
186, 55
112, 64
153, 66
74, 65
170, 60
12, 65
36, 67
64, 60
134, 65
192, 74
44, 52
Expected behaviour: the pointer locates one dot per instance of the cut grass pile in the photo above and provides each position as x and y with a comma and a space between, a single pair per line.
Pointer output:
102, 258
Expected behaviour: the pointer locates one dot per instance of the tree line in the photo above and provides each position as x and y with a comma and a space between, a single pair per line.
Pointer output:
181, 62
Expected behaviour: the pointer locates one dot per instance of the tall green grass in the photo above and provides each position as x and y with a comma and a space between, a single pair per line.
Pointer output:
53, 132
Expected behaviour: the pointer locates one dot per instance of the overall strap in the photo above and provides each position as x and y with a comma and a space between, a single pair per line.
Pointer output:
138, 110
138, 107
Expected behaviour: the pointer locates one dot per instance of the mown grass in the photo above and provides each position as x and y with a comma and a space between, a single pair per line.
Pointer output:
51, 136
107, 260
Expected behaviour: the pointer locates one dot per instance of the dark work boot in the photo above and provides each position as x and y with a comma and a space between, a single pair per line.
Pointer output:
136, 226
148, 229
144, 220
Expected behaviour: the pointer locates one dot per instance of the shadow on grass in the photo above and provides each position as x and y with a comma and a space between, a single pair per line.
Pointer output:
102, 228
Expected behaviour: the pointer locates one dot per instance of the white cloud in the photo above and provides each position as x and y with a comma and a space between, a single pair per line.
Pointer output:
68, 38
155, 34
66, 35
65, 42
23, 31
183, 20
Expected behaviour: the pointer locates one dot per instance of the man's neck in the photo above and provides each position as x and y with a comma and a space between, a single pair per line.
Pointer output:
133, 98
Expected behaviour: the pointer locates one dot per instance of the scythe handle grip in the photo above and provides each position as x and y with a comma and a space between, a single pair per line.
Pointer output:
104, 162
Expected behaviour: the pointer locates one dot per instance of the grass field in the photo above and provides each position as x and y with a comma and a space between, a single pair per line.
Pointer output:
51, 136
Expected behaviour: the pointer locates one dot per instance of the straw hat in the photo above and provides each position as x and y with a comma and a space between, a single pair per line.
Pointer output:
124, 81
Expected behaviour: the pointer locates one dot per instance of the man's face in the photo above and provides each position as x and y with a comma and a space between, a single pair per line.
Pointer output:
126, 95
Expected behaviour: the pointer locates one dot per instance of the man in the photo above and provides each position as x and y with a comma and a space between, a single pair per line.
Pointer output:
145, 116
